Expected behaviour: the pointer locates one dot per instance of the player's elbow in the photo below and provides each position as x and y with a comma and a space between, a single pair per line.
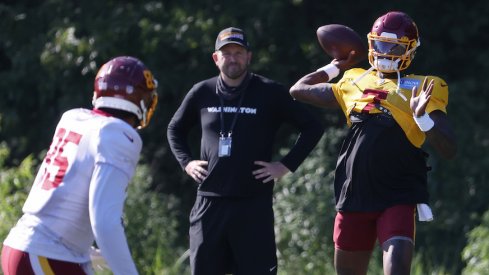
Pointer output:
294, 91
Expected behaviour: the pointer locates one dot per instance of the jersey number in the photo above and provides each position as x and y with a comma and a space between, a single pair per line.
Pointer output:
378, 95
55, 161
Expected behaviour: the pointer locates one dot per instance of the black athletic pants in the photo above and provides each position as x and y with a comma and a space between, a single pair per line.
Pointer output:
232, 235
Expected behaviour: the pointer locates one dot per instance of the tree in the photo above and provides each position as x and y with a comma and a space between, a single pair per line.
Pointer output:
50, 51
476, 252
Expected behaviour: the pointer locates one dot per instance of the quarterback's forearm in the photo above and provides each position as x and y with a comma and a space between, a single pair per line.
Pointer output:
320, 95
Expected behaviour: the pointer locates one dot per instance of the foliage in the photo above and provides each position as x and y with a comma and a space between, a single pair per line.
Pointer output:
50, 51
151, 227
476, 252
304, 211
14, 185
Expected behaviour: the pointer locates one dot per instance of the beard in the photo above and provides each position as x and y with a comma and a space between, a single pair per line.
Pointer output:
234, 70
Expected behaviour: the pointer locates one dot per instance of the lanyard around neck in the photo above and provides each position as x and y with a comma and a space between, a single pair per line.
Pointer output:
221, 114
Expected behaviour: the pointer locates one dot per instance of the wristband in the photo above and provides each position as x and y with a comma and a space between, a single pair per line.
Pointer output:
331, 70
425, 123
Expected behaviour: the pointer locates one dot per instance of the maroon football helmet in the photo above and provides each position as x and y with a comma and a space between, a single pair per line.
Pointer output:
124, 83
392, 42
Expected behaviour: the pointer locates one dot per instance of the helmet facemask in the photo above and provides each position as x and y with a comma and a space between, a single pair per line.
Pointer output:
388, 54
147, 112
392, 43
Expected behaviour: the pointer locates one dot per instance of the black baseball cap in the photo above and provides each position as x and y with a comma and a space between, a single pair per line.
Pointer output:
231, 35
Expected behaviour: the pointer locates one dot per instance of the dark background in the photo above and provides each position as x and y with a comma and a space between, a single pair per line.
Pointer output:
50, 52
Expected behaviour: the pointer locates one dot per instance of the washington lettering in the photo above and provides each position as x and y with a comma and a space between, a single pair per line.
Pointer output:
227, 109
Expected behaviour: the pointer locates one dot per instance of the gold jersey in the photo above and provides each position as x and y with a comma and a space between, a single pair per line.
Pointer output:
372, 95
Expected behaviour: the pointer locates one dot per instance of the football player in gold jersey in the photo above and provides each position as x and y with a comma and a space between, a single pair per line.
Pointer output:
381, 174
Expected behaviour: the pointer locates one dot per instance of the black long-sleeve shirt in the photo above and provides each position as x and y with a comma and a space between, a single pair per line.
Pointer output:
265, 106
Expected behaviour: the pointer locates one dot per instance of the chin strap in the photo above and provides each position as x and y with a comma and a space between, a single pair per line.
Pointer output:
398, 88
363, 75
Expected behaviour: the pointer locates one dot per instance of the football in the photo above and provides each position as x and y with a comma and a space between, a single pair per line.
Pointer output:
338, 40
